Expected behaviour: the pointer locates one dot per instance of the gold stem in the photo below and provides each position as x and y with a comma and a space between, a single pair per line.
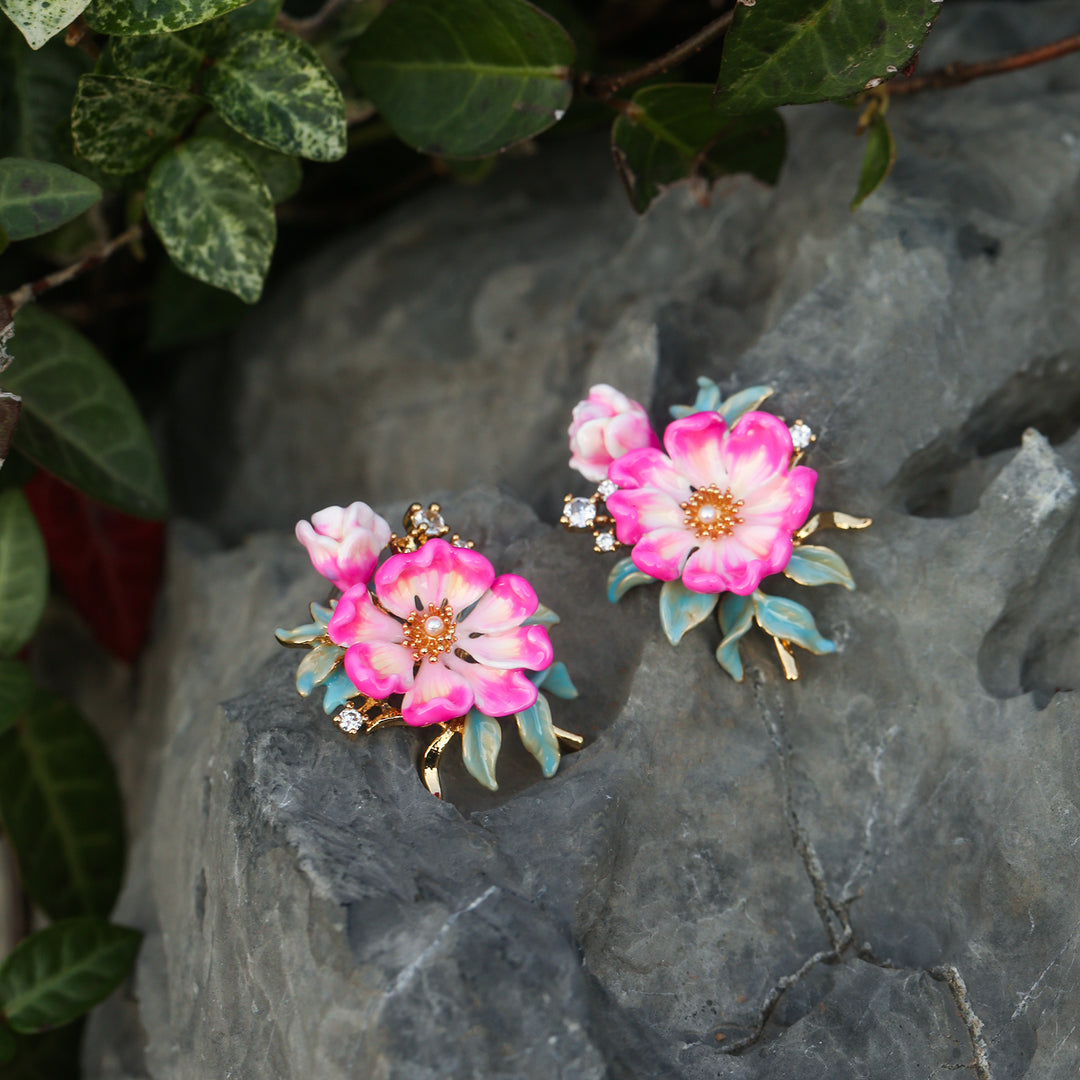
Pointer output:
429, 764
787, 659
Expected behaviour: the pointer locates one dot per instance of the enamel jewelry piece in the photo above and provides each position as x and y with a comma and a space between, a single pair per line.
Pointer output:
428, 637
723, 505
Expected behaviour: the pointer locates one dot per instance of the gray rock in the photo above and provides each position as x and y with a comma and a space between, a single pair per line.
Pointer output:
868, 873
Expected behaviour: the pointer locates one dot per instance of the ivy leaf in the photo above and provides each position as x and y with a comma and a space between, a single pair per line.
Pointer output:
481, 739
61, 972
812, 565
494, 73
736, 617
52, 1056
124, 124
670, 133
61, 809
78, 420
38, 21
878, 159
281, 173
16, 692
273, 88
170, 59
793, 52
126, 17
681, 609
790, 621
625, 576
538, 735
214, 215
24, 573
38, 196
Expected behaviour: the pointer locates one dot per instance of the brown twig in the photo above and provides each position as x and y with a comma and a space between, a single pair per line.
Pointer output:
956, 74
309, 27
602, 87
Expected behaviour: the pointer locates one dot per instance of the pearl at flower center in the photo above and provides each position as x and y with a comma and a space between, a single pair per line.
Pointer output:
434, 626
430, 633
712, 513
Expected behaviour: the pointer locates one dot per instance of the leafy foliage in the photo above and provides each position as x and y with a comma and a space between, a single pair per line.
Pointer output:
127, 17
52, 1056
38, 21
878, 159
481, 740
38, 196
16, 691
170, 59
281, 173
24, 573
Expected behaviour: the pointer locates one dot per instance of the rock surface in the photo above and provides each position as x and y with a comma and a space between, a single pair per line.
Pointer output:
868, 873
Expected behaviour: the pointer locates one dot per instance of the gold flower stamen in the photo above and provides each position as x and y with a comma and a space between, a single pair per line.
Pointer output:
712, 513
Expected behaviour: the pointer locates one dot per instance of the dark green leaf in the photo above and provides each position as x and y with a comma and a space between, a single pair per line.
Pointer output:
673, 132
78, 420
792, 52
16, 691
170, 59
481, 739
214, 215
57, 974
61, 809
38, 196
681, 609
126, 17
273, 88
39, 20
9, 1047
184, 311
878, 159
466, 84
24, 573
281, 173
52, 1056
124, 124
259, 15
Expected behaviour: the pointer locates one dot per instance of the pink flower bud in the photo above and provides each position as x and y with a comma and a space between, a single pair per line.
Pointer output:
344, 543
606, 425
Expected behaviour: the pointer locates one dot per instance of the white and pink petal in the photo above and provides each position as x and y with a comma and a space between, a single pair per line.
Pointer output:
508, 603
438, 694
523, 647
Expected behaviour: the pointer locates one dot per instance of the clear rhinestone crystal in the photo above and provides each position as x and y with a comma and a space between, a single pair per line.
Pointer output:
431, 522
606, 488
580, 513
801, 435
605, 541
350, 721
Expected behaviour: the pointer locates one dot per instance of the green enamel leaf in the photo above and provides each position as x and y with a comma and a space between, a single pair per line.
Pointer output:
556, 680
337, 690
61, 809
538, 735
707, 400
790, 621
125, 17
542, 616
481, 739
78, 420
307, 634
743, 402
124, 124
59, 973
214, 215
625, 576
39, 20
681, 610
170, 59
281, 173
465, 81
24, 574
812, 565
673, 132
273, 88
878, 160
38, 196
736, 616
316, 667
792, 52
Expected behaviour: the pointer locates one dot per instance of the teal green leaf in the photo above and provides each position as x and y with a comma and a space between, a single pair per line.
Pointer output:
878, 159
260, 15
481, 739
707, 400
791, 622
39, 20
681, 610
61, 809
736, 616
542, 616
78, 420
338, 688
16, 689
812, 565
307, 634
273, 88
743, 402
556, 680
126, 17
24, 573
316, 667
625, 576
57, 974
170, 59
38, 196
538, 735
792, 52
9, 1047
124, 124
280, 173
52, 1056
214, 215
467, 81
672, 132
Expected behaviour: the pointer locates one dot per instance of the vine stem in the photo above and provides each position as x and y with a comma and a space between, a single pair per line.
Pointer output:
603, 87
956, 74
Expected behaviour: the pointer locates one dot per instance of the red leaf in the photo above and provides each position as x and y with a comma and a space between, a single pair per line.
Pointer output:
108, 563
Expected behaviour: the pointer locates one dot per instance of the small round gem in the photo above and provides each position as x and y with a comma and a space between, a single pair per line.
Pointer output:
707, 513
606, 488
605, 541
350, 721
580, 513
434, 626
801, 435
431, 522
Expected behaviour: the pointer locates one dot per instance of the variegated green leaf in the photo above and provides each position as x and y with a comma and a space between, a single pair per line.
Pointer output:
38, 196
538, 735
124, 124
480, 743
736, 616
790, 621
125, 17
24, 572
39, 20
257, 15
273, 88
556, 680
743, 402
625, 576
281, 173
214, 215
682, 610
812, 565
170, 59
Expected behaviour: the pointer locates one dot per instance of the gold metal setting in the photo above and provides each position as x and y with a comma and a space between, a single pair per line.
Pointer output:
712, 513
430, 633
422, 525
581, 514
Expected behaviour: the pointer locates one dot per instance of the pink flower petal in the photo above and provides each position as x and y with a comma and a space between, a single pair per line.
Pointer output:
437, 572
379, 668
497, 693
508, 603
630, 431
356, 618
649, 468
758, 448
438, 694
661, 553
322, 550
723, 566
694, 444
523, 647
640, 510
